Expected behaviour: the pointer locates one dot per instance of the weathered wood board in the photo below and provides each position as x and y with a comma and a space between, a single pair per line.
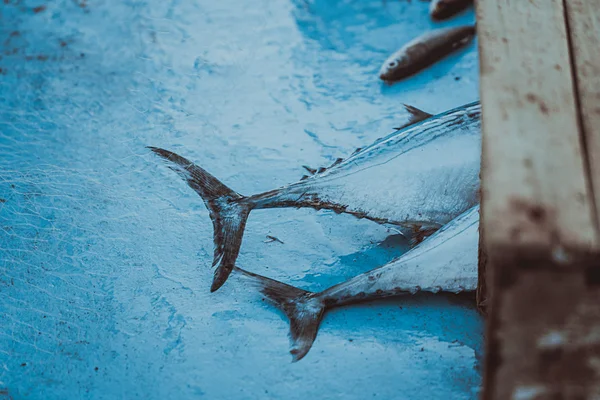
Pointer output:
532, 153
583, 18
482, 296
539, 225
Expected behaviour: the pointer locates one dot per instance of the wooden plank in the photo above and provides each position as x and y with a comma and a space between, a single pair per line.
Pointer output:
547, 338
538, 226
584, 32
532, 159
482, 295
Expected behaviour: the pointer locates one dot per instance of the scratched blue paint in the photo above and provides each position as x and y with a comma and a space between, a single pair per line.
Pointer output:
105, 253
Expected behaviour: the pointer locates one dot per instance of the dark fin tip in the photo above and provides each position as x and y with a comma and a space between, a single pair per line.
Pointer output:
216, 285
221, 275
299, 354
356, 151
296, 356
336, 162
309, 169
304, 310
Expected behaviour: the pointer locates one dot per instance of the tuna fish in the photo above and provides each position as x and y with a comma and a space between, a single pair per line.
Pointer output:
445, 262
442, 9
424, 51
418, 178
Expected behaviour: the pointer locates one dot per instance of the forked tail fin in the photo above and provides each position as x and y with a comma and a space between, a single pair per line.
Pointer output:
228, 211
304, 310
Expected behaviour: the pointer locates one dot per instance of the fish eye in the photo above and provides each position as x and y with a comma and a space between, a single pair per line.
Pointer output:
392, 64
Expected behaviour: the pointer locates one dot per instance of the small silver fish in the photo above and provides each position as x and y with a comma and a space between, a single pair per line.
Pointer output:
443, 9
445, 262
424, 51
418, 178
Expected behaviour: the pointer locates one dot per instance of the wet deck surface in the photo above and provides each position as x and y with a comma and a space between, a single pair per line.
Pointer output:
106, 254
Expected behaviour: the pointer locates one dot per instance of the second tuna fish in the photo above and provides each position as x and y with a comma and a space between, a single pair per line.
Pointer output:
445, 262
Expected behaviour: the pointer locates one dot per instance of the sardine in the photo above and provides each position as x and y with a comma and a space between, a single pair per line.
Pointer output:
418, 178
424, 51
445, 262
443, 9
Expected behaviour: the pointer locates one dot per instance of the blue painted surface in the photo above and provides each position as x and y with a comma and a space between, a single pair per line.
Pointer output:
105, 253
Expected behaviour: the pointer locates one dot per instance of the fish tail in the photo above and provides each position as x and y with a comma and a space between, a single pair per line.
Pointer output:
228, 211
304, 309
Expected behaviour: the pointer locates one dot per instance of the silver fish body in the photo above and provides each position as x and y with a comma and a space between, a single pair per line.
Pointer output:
419, 177
426, 176
443, 9
445, 262
425, 50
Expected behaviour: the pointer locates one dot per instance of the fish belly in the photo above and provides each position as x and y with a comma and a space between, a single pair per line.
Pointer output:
448, 263
429, 184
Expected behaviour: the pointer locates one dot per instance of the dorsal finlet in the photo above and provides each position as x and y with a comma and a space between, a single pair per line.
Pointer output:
312, 171
416, 115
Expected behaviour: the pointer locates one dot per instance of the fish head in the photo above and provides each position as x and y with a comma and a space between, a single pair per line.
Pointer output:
395, 67
442, 9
